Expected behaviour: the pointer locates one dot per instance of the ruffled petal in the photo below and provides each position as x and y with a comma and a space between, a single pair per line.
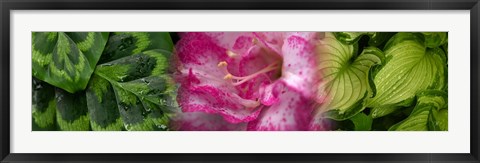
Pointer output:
271, 40
237, 42
320, 124
291, 113
269, 93
203, 87
300, 65
199, 121
210, 99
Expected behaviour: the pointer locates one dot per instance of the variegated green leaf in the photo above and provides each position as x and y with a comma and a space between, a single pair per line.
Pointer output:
102, 106
345, 76
43, 105
410, 68
435, 39
383, 110
428, 101
66, 59
376, 38
72, 112
132, 90
438, 120
122, 44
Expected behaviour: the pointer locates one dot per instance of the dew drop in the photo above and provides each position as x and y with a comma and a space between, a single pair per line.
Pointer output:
148, 109
128, 127
162, 126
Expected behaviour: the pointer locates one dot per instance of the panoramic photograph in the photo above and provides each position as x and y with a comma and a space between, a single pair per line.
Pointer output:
239, 81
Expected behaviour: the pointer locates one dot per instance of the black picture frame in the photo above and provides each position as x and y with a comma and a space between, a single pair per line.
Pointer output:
9, 5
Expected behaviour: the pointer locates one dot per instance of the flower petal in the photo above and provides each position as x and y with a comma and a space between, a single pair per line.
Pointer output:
269, 93
211, 99
271, 40
199, 121
299, 64
291, 113
203, 87
237, 42
320, 124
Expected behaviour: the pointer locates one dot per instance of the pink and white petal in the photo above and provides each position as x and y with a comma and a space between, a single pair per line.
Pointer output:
320, 124
203, 87
237, 42
199, 58
271, 40
291, 113
251, 63
300, 66
197, 49
210, 99
269, 93
310, 36
199, 121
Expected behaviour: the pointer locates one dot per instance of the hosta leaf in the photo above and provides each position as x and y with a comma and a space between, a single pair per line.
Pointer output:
345, 76
427, 102
438, 120
435, 39
383, 110
72, 113
376, 38
362, 122
43, 105
66, 59
131, 90
410, 68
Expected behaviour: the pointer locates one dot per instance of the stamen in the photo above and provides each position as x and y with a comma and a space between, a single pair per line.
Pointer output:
253, 105
228, 76
241, 80
231, 54
254, 41
221, 64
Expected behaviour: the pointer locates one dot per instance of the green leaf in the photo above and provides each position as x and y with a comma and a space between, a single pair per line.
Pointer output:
410, 68
383, 110
376, 38
133, 91
428, 101
122, 44
345, 76
66, 59
438, 120
362, 122
435, 39
72, 113
102, 106
43, 105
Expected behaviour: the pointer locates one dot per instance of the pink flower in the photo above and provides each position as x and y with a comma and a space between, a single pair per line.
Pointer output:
253, 81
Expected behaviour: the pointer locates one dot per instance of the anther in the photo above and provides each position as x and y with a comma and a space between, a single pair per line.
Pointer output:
231, 54
228, 76
254, 41
221, 64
